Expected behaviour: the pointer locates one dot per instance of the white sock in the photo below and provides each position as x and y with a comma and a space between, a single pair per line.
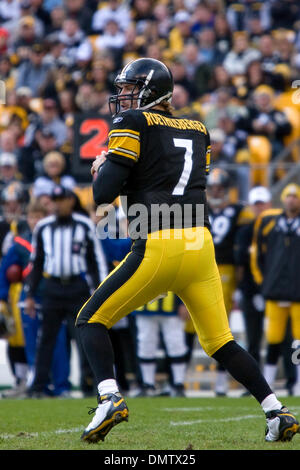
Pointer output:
270, 371
221, 384
107, 386
271, 403
30, 377
296, 387
21, 371
178, 371
148, 370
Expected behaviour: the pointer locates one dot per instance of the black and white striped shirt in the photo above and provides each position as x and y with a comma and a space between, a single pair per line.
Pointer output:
66, 247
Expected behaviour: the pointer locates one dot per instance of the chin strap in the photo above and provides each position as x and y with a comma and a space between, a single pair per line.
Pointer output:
168, 97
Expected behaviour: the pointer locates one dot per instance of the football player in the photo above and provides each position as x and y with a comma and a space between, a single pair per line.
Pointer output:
160, 163
157, 322
275, 264
225, 218
252, 301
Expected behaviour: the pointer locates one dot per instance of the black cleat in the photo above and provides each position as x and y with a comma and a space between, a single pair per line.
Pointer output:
281, 425
111, 410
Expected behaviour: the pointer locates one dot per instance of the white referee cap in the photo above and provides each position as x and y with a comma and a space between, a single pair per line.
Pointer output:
259, 194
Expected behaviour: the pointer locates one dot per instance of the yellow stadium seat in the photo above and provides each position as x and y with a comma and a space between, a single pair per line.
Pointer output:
288, 99
288, 103
293, 116
260, 155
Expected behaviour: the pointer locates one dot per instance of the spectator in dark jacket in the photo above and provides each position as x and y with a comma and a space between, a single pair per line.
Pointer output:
262, 118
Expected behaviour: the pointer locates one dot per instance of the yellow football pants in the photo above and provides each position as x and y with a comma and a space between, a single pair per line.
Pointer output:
277, 317
16, 339
181, 261
228, 280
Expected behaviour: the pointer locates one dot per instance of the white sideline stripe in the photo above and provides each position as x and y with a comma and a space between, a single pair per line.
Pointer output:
207, 408
177, 423
40, 434
221, 420
204, 408
172, 423
219, 408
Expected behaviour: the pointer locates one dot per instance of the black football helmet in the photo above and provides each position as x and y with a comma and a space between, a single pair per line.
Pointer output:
218, 186
153, 84
218, 177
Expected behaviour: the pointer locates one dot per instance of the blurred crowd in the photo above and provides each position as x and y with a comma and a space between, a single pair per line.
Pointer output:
235, 67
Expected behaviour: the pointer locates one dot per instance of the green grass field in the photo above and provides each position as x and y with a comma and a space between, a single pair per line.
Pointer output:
154, 424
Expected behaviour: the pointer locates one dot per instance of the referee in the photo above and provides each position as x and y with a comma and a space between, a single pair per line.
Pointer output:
69, 258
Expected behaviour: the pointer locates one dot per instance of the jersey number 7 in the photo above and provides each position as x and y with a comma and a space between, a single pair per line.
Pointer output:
188, 164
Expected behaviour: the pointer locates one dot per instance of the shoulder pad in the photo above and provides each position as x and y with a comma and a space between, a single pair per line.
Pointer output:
265, 217
245, 215
271, 212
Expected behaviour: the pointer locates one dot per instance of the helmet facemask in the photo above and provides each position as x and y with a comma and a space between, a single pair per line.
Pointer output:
115, 101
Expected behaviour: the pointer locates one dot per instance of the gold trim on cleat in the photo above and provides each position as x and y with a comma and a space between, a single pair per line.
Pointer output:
287, 414
290, 432
117, 417
118, 403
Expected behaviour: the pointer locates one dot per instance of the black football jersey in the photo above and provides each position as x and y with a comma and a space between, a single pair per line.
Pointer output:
275, 255
225, 223
170, 160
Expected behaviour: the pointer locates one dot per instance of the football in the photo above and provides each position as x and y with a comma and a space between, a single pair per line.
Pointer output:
14, 273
